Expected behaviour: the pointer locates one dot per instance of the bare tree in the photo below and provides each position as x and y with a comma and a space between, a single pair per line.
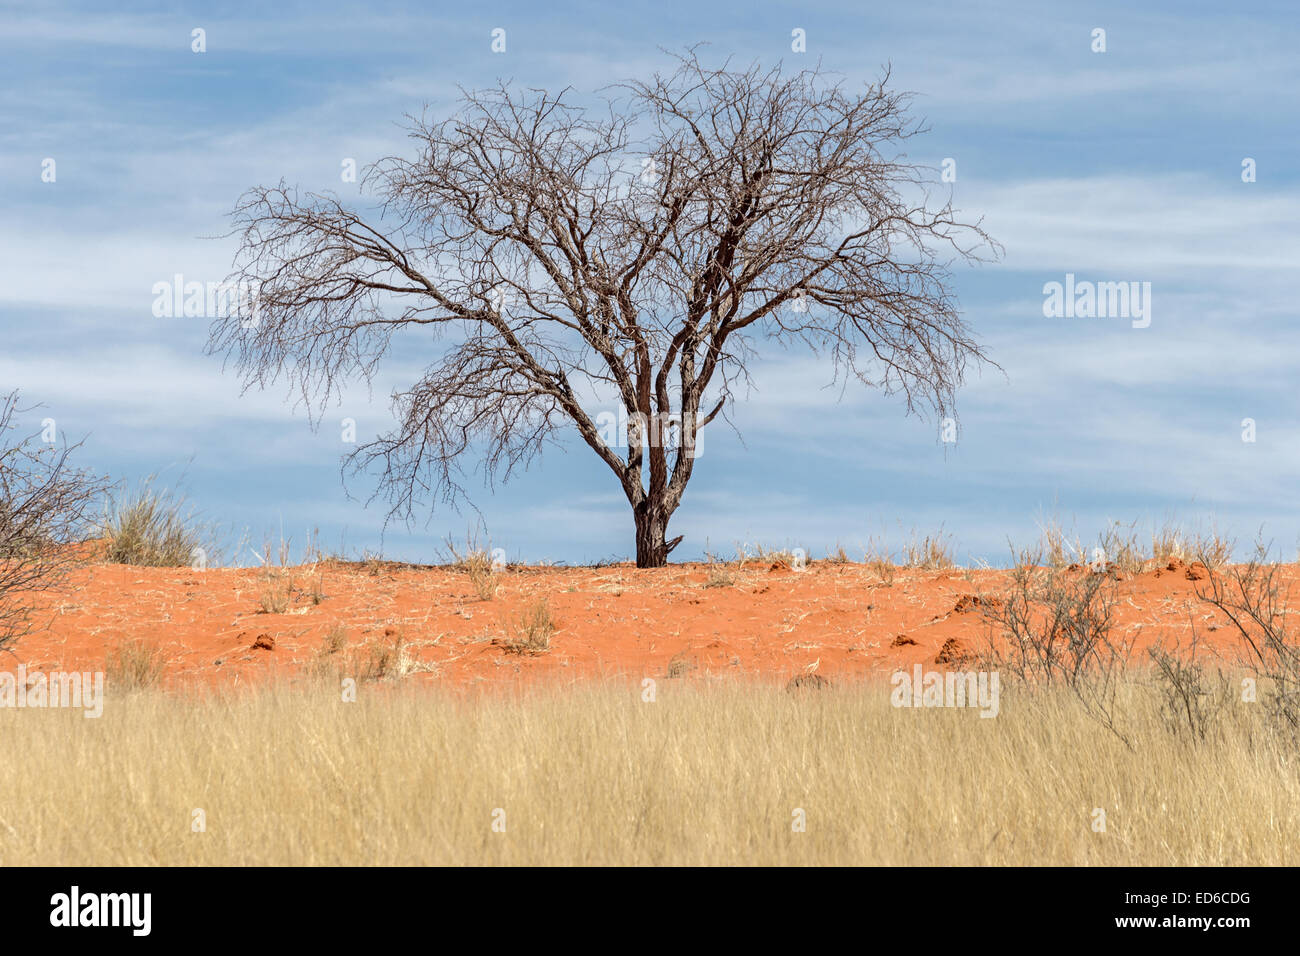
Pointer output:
577, 258
45, 512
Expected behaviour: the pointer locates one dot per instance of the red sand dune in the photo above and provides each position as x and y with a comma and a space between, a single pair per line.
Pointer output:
614, 622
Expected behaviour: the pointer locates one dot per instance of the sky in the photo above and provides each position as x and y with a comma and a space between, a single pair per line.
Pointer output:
1122, 165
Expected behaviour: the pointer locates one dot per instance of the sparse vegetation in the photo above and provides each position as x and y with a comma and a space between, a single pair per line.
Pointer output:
1255, 601
335, 639
386, 661
155, 528
275, 590
1195, 697
880, 563
1054, 628
328, 660
932, 552
45, 514
838, 556
316, 585
758, 554
533, 629
680, 665
1056, 548
478, 564
719, 577
276, 583
133, 665
1121, 547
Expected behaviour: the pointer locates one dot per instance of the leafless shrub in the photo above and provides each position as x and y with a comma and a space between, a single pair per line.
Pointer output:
1253, 598
1193, 696
1213, 550
46, 509
1053, 628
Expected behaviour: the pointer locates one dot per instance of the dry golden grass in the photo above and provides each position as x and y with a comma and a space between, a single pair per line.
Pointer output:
134, 665
1121, 546
596, 775
477, 562
534, 628
719, 577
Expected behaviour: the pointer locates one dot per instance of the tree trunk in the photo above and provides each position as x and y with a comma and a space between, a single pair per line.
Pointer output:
652, 548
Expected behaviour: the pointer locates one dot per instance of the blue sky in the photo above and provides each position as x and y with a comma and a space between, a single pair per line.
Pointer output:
1115, 166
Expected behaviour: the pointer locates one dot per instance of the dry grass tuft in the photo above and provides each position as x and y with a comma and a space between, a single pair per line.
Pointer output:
719, 577
155, 528
534, 629
133, 665
477, 562
838, 556
931, 553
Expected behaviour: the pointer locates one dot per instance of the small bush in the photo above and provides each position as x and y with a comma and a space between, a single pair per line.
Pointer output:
276, 584
1253, 599
1193, 697
1053, 628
